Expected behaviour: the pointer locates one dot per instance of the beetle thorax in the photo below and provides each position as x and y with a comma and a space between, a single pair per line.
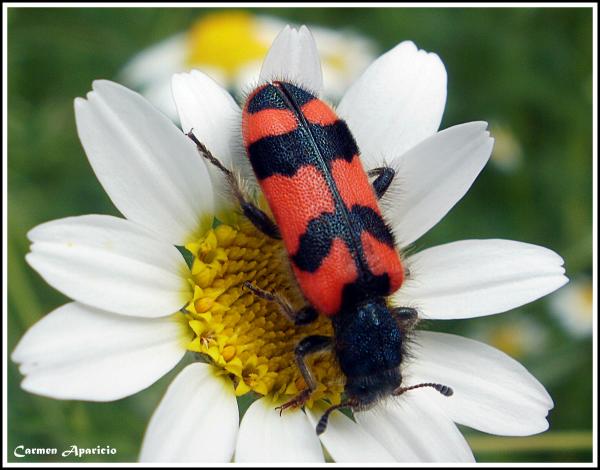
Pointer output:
368, 346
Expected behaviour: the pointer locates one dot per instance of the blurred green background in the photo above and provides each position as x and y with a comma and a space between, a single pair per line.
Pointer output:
527, 71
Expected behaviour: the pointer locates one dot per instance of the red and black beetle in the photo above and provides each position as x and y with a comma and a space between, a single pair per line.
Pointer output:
342, 252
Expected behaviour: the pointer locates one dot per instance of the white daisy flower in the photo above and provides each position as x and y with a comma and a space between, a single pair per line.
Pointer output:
138, 307
230, 46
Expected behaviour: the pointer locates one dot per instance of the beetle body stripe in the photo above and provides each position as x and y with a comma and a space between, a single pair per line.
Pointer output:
284, 154
309, 169
285, 192
270, 123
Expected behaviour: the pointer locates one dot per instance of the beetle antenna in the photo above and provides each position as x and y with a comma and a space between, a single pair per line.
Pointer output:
322, 425
443, 389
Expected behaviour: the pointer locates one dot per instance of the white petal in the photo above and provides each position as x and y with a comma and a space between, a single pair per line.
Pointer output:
212, 114
433, 176
265, 436
396, 103
472, 278
196, 421
78, 352
110, 263
150, 170
492, 392
414, 429
209, 110
294, 57
347, 441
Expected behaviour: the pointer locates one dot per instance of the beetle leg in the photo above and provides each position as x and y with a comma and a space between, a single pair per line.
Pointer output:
260, 219
385, 176
304, 316
309, 345
257, 216
406, 317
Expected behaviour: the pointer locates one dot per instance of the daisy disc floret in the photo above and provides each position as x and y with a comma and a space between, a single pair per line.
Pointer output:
138, 307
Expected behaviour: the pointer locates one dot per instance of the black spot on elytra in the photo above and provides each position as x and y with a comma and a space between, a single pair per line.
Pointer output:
315, 145
297, 96
268, 97
316, 241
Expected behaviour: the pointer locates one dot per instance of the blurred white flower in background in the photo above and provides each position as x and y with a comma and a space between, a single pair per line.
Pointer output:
230, 46
508, 153
573, 307
517, 336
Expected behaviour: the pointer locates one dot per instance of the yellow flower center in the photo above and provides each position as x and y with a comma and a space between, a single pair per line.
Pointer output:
227, 41
246, 336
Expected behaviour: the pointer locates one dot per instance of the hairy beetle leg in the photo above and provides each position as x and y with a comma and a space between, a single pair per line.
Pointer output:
258, 217
385, 176
260, 220
296, 402
309, 345
304, 316
406, 317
